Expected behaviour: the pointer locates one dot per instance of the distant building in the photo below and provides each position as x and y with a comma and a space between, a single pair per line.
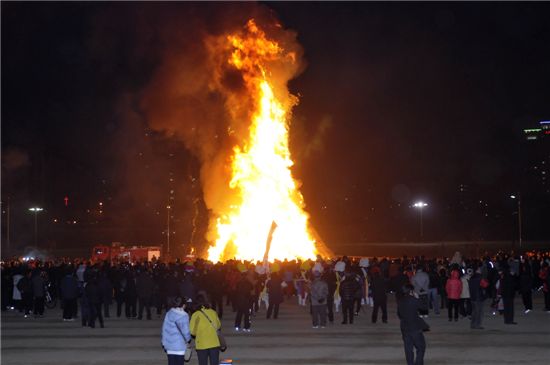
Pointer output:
537, 151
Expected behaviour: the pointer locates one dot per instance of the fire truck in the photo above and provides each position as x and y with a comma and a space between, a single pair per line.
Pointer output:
120, 252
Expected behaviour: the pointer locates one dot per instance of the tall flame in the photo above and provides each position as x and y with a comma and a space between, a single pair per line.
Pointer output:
260, 167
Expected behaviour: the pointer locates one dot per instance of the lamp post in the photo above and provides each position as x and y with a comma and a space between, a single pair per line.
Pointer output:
168, 230
36, 210
518, 197
420, 205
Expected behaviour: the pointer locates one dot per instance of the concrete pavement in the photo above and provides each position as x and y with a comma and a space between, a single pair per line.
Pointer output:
287, 340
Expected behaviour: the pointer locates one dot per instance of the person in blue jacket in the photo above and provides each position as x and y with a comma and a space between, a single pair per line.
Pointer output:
175, 332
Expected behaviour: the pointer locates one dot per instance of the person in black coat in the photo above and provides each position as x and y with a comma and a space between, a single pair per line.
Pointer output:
170, 288
95, 300
412, 326
243, 295
39, 292
7, 288
144, 288
526, 285
106, 288
120, 284
130, 297
379, 295
348, 291
329, 277
275, 292
187, 287
509, 288
214, 283
397, 283
69, 294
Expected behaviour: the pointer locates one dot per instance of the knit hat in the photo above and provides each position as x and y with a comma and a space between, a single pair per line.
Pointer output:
364, 262
340, 266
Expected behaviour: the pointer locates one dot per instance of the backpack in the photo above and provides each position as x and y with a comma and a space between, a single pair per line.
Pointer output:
24, 285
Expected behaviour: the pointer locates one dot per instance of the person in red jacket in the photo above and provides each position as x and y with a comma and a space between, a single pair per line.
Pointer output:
453, 289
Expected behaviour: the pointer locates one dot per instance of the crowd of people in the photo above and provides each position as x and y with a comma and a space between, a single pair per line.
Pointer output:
140, 290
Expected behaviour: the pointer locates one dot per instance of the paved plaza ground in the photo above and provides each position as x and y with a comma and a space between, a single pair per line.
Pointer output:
287, 340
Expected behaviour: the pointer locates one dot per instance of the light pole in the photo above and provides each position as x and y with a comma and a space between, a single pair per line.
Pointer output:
36, 210
421, 205
518, 197
168, 231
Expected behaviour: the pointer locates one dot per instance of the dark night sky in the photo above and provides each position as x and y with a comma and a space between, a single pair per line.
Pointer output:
403, 100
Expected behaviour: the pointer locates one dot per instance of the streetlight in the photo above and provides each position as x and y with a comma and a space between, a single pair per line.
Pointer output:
518, 197
36, 210
168, 231
421, 205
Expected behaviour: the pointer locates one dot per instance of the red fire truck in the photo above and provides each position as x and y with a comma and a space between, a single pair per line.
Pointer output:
118, 251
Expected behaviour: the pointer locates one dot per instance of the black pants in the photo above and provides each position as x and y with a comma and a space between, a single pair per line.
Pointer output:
508, 309
144, 303
527, 297
319, 315
414, 340
273, 308
106, 313
18, 304
255, 303
465, 307
547, 300
347, 310
238, 318
27, 303
217, 305
130, 307
213, 354
357, 302
39, 306
176, 359
477, 313
382, 304
119, 302
330, 308
69, 308
424, 298
233, 298
159, 302
452, 305
95, 312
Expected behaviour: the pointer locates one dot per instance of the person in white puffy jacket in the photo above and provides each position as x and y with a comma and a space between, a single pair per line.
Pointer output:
175, 332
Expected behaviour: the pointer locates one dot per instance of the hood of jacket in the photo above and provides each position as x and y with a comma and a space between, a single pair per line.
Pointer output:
176, 313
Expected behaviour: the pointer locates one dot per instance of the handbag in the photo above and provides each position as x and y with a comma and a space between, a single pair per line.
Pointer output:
221, 338
188, 353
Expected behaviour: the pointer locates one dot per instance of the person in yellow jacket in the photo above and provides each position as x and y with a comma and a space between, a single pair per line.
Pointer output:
204, 326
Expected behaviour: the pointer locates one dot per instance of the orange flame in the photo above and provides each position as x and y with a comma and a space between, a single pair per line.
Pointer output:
260, 167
